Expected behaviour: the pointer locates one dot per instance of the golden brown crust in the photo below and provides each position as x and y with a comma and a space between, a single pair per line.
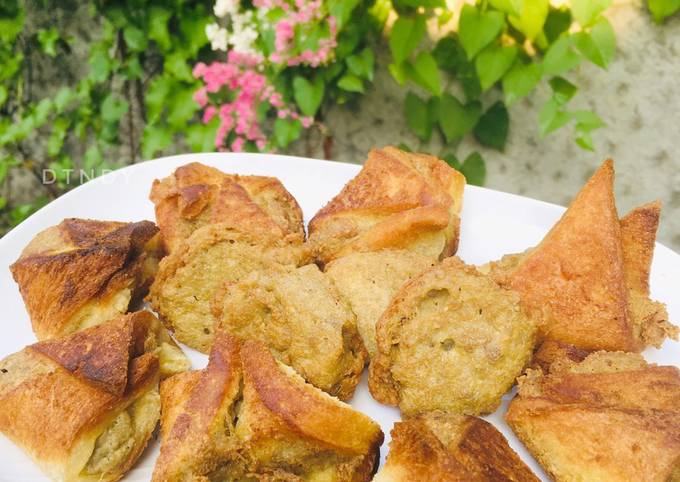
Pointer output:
76, 398
449, 447
553, 352
82, 265
574, 280
272, 304
451, 339
638, 235
611, 417
191, 276
399, 200
246, 414
196, 195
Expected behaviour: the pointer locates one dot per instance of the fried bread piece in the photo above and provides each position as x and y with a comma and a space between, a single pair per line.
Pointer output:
587, 281
304, 321
452, 340
196, 195
611, 417
81, 272
447, 447
370, 280
399, 200
248, 417
94, 393
190, 276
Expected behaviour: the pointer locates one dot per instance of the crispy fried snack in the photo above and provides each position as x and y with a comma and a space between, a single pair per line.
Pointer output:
447, 447
370, 280
196, 195
399, 200
189, 278
587, 282
304, 321
611, 417
80, 273
83, 407
452, 340
247, 417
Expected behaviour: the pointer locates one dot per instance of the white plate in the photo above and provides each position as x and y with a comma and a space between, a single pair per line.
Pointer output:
493, 224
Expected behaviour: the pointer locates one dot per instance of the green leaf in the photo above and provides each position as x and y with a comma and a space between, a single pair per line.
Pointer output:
3, 95
418, 116
155, 138
492, 63
62, 100
113, 108
398, 72
587, 120
558, 22
100, 66
351, 83
563, 90
662, 9
362, 64
492, 128
308, 95
156, 93
511, 7
93, 158
477, 29
419, 3
449, 54
158, 27
561, 57
587, 11
176, 65
57, 136
474, 169
48, 39
598, 45
134, 38
455, 119
201, 137
424, 72
342, 10
286, 131
451, 160
3, 203
532, 18
405, 36
520, 80
192, 25
551, 117
181, 107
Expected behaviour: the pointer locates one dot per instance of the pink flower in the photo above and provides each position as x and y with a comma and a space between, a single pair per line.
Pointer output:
201, 97
209, 113
307, 122
237, 144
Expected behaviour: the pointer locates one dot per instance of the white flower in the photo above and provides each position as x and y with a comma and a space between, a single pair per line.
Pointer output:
217, 36
226, 7
244, 33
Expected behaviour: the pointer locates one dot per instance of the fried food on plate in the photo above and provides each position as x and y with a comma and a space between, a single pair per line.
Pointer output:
196, 195
370, 280
248, 417
302, 319
447, 447
399, 200
587, 282
80, 273
451, 340
190, 276
84, 406
611, 417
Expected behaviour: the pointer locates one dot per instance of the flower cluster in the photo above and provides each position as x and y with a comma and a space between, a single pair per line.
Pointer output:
245, 79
